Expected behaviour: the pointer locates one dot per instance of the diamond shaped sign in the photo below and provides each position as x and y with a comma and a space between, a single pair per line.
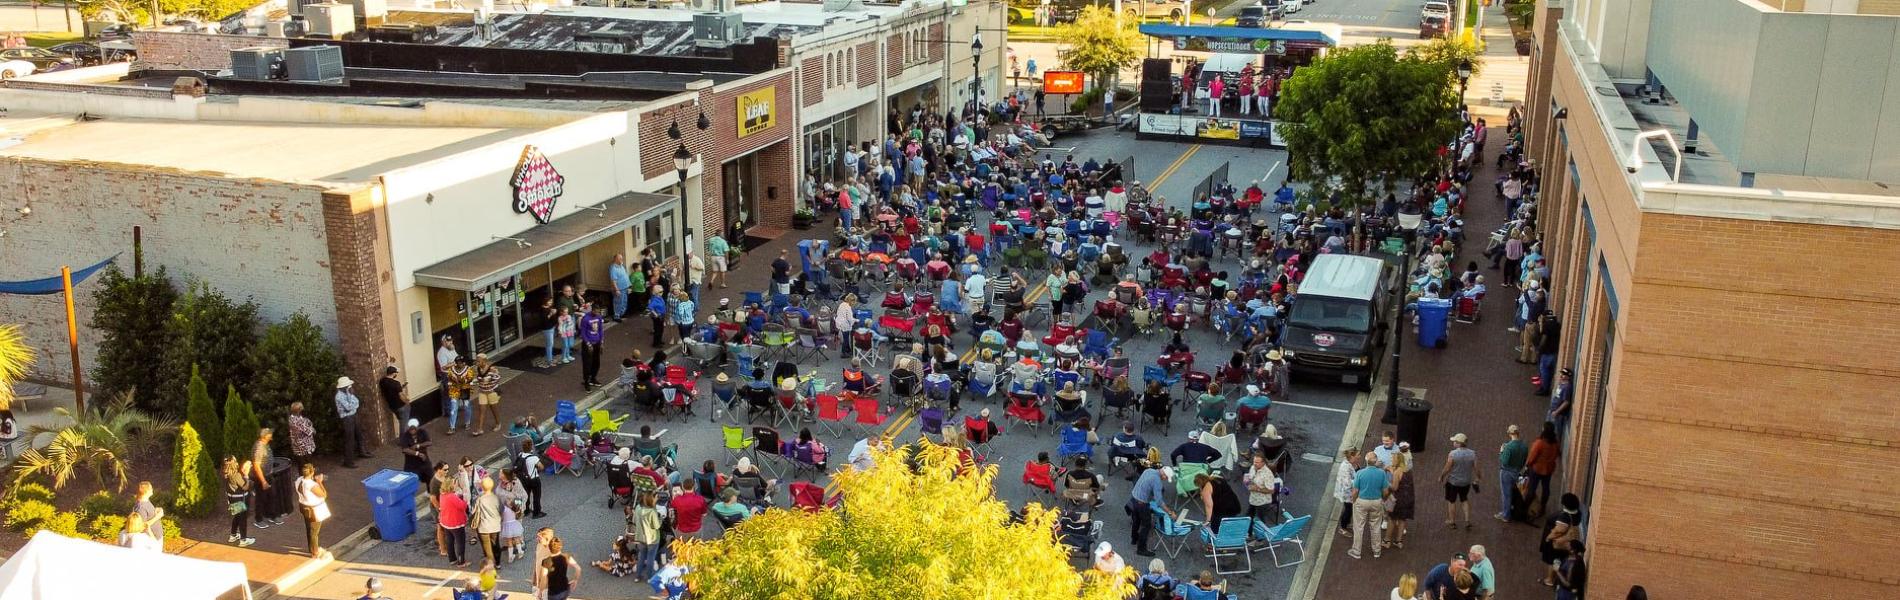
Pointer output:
537, 185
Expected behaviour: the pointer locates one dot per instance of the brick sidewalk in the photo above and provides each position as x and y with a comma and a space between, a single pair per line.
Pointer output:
1476, 387
280, 549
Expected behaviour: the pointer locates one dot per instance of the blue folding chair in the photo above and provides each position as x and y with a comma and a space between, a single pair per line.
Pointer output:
1228, 538
1098, 344
755, 298
565, 413
1289, 531
1060, 377
1075, 442
1170, 529
1156, 373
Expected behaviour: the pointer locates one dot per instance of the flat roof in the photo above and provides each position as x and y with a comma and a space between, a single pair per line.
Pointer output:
321, 154
1709, 166
1342, 276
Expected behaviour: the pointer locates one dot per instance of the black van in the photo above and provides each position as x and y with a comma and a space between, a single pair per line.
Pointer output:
1334, 327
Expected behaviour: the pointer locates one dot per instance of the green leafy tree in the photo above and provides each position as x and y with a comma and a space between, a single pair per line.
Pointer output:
101, 440
293, 363
1099, 44
240, 426
936, 531
202, 414
1366, 119
131, 315
15, 358
210, 332
137, 11
1448, 53
195, 479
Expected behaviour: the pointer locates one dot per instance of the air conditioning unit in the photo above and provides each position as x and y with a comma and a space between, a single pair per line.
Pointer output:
330, 20
297, 6
718, 29
314, 63
257, 63
370, 9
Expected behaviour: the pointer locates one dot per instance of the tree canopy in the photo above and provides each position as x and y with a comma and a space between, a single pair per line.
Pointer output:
1099, 44
1365, 119
936, 532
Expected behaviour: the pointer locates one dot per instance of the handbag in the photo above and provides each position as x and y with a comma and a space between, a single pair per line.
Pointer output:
320, 512
238, 508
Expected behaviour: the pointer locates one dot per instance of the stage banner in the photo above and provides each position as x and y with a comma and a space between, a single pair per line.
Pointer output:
1217, 129
1163, 124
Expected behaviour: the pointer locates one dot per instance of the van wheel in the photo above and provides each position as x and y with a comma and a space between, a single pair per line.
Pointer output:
1365, 383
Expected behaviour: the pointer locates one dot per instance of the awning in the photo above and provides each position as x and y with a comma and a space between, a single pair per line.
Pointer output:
501, 259
1163, 30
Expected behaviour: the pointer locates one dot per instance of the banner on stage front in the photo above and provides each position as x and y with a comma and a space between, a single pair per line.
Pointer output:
1162, 124
1218, 129
1256, 129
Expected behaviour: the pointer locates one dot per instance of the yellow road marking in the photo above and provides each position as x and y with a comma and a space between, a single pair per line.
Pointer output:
1172, 167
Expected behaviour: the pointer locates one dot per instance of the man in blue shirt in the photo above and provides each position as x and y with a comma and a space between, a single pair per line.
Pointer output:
1150, 489
1368, 493
1439, 579
617, 272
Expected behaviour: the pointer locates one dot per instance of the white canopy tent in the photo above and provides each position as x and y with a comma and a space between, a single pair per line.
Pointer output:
56, 567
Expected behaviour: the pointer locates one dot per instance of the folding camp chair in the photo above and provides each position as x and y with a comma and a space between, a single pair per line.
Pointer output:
1170, 530
831, 414
1289, 531
737, 444
1228, 538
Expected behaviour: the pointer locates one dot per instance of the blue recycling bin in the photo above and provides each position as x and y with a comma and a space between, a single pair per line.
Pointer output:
392, 500
1434, 317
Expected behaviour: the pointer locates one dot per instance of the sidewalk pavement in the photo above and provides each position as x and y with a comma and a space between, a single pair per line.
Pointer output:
279, 559
1504, 77
1476, 387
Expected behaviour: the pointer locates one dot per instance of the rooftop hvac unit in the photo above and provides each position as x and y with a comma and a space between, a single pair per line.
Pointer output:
257, 63
314, 63
370, 9
717, 30
297, 6
329, 20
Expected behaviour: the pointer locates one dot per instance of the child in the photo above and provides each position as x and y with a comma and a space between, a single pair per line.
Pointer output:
511, 529
567, 331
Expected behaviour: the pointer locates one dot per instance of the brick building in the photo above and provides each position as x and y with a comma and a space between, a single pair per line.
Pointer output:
1725, 289
392, 223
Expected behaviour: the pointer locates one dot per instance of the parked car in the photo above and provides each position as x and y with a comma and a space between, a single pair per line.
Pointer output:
1291, 6
42, 59
1431, 27
1257, 16
15, 68
87, 53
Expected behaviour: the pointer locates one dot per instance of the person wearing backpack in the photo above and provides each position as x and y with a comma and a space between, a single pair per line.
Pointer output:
527, 469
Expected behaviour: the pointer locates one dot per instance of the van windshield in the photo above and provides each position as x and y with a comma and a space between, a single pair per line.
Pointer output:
1331, 314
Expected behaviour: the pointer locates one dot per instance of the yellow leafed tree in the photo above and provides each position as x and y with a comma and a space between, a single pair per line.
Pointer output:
933, 534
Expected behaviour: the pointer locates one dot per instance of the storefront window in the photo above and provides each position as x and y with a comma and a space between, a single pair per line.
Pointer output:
657, 236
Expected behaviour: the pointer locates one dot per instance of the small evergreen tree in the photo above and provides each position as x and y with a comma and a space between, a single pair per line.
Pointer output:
196, 481
131, 313
212, 332
293, 363
203, 416
240, 426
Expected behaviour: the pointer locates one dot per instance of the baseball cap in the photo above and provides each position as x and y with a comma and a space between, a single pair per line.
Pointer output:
1458, 438
1511, 430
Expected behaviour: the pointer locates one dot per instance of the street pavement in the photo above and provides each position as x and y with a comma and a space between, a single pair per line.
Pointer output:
1313, 418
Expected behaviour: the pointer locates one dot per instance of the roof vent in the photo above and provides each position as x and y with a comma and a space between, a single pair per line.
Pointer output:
257, 63
314, 63
717, 29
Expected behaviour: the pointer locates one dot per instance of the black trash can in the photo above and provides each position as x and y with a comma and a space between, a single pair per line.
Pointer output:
283, 479
1414, 416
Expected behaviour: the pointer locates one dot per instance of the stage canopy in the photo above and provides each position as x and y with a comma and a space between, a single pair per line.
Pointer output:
1217, 38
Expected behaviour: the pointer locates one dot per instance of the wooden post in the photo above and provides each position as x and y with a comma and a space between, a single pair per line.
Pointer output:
138, 252
72, 339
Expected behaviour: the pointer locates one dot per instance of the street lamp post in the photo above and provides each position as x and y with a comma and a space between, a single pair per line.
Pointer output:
1464, 77
1409, 219
976, 71
682, 161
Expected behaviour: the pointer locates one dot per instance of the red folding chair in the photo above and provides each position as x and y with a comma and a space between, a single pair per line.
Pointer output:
867, 413
831, 413
811, 497
1041, 476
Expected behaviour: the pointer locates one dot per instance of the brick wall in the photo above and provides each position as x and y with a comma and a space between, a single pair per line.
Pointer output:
248, 238
811, 74
154, 93
165, 50
777, 169
893, 56
368, 329
1753, 418
722, 143
935, 32
867, 64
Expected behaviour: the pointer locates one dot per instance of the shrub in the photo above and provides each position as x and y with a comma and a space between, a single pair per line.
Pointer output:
104, 503
63, 523
209, 331
24, 515
240, 426
203, 416
106, 527
130, 313
29, 491
193, 474
293, 363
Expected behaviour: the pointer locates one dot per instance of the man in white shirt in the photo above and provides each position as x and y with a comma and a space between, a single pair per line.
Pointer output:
695, 275
445, 356
860, 457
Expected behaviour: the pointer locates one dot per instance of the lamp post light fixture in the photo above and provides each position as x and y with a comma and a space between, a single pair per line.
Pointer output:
1464, 78
976, 72
682, 161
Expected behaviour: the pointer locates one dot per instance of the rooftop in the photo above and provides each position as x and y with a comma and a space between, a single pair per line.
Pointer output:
1708, 166
329, 155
